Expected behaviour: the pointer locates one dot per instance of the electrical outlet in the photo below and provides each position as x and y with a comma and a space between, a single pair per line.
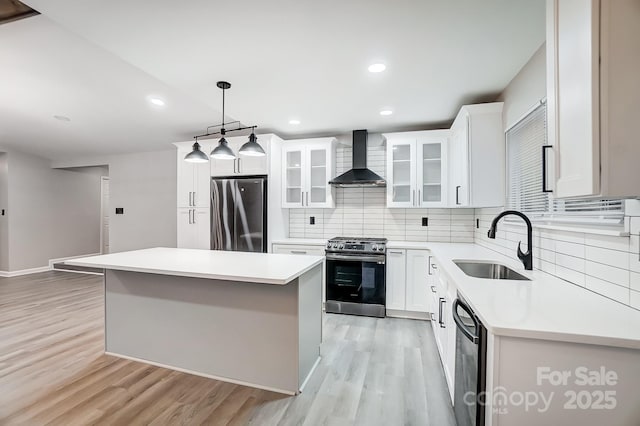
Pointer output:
477, 223
425, 221
312, 220
119, 210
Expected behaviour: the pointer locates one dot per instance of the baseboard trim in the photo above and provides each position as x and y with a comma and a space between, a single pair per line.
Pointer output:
395, 313
9, 274
39, 269
195, 373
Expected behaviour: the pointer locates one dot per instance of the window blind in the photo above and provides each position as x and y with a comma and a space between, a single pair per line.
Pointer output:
524, 168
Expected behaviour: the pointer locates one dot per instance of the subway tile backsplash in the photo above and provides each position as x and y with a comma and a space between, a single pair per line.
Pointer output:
608, 265
362, 212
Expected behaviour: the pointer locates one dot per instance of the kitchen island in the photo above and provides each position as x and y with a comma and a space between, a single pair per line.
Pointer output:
249, 318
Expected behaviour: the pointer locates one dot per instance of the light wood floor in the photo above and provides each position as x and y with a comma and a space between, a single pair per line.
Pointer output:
53, 371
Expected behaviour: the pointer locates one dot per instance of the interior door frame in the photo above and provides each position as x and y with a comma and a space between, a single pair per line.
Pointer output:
102, 182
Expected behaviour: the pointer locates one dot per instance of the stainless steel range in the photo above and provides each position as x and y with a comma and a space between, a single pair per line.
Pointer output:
356, 269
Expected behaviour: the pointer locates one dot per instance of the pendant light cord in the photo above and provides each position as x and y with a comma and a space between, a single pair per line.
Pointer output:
223, 130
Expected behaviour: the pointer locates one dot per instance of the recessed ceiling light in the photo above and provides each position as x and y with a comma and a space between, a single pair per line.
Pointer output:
61, 118
377, 67
294, 122
386, 112
156, 101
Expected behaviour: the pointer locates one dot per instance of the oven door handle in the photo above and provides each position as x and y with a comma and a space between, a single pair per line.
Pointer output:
378, 259
461, 325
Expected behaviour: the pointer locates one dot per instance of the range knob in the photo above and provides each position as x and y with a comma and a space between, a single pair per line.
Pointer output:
334, 245
374, 247
341, 246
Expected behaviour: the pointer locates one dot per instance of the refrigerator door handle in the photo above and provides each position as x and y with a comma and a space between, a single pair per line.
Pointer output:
239, 165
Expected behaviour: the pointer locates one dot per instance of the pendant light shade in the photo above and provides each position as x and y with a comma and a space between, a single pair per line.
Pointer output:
222, 151
196, 156
252, 148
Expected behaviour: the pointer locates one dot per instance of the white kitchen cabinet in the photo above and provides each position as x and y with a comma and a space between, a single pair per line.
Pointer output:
242, 165
308, 166
396, 279
477, 157
593, 96
194, 180
417, 292
312, 250
407, 284
309, 250
194, 228
417, 169
444, 328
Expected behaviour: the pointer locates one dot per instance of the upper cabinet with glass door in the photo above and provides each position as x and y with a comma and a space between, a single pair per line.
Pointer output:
417, 169
308, 166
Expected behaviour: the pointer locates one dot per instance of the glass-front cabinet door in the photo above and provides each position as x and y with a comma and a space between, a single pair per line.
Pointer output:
293, 159
318, 181
308, 166
401, 173
431, 170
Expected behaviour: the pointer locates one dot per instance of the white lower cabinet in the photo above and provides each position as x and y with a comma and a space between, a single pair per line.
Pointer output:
194, 228
309, 250
444, 329
299, 249
408, 283
396, 279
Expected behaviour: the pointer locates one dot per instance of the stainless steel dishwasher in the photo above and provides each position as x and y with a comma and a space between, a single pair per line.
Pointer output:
471, 365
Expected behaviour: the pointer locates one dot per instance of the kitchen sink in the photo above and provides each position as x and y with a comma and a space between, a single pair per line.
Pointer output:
492, 271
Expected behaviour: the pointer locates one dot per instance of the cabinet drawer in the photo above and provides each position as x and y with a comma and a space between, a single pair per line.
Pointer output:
298, 249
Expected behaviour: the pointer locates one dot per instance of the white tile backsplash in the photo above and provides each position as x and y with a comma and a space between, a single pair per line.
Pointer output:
362, 212
608, 265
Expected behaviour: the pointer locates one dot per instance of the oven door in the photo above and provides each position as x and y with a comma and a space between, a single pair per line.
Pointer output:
356, 278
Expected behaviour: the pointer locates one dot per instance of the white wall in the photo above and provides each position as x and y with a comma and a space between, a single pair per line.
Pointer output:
362, 211
525, 89
145, 185
607, 265
51, 213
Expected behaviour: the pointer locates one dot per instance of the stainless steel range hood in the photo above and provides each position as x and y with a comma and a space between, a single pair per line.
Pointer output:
359, 175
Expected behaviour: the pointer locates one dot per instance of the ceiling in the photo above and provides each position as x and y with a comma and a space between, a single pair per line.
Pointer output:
98, 62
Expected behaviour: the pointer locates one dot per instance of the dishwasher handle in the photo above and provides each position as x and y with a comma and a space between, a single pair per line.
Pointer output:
461, 325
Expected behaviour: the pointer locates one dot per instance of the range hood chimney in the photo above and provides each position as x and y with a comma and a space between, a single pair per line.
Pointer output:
359, 175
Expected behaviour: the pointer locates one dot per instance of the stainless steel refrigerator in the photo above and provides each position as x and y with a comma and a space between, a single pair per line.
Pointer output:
239, 214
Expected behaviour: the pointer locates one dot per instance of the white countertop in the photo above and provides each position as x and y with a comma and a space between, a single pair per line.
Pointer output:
265, 268
545, 307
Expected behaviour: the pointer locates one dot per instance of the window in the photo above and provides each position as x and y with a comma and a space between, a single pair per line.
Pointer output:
524, 174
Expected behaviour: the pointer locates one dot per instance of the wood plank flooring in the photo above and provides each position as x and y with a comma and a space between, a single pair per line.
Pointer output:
53, 371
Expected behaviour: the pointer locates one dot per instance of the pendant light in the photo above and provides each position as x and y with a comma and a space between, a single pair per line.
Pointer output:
196, 156
252, 148
222, 151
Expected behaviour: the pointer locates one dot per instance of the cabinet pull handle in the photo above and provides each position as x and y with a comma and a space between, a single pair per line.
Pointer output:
458, 195
419, 198
298, 252
440, 309
413, 198
239, 165
429, 267
234, 165
190, 217
544, 168
433, 317
433, 289
194, 199
307, 198
194, 216
395, 252
302, 198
